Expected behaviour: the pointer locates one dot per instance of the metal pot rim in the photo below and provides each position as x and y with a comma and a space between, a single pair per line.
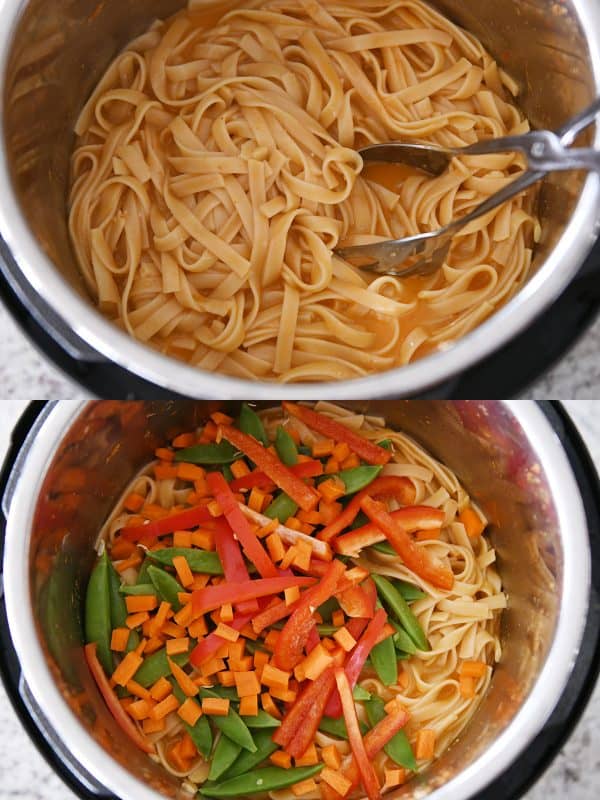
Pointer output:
528, 721
104, 337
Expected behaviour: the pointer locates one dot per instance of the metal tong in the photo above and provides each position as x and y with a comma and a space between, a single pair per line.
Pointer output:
545, 151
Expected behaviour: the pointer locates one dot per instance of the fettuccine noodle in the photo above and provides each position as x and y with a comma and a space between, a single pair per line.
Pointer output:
216, 169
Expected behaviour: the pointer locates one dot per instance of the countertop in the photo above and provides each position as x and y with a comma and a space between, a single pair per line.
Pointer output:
575, 773
26, 373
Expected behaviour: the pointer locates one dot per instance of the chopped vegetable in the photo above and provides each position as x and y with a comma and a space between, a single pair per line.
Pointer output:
166, 585
304, 469
411, 518
212, 597
184, 520
281, 508
225, 754
247, 761
98, 626
358, 478
222, 453
230, 556
249, 422
259, 781
398, 747
399, 607
203, 561
286, 447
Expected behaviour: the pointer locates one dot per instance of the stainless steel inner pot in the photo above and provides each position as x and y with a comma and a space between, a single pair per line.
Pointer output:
51, 56
506, 454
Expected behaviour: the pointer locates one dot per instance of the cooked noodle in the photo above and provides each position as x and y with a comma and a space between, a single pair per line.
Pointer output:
215, 171
460, 624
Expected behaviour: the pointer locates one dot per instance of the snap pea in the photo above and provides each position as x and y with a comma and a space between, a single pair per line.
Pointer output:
143, 576
383, 658
386, 444
224, 755
133, 641
200, 732
399, 607
260, 781
398, 748
222, 453
402, 640
286, 447
227, 692
337, 727
327, 608
250, 422
156, 666
199, 560
282, 508
97, 612
138, 589
166, 585
357, 478
408, 590
262, 720
360, 694
232, 725
383, 547
246, 761
118, 609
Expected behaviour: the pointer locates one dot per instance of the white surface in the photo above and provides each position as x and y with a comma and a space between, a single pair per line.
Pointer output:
576, 772
25, 373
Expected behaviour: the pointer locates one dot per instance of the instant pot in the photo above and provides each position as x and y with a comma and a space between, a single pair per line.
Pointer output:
52, 55
526, 466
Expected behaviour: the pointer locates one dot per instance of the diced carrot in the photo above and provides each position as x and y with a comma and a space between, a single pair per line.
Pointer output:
249, 706
190, 711
134, 501
472, 522
311, 517
289, 556
345, 639
270, 527
394, 777
176, 646
466, 686
171, 629
165, 471
302, 556
275, 547
332, 489
186, 684
135, 620
338, 618
164, 454
291, 595
227, 613
393, 706
304, 787
308, 758
187, 747
201, 489
248, 632
190, 472
210, 431
141, 602
237, 649
176, 758
336, 780
260, 659
287, 695
121, 548
140, 709
256, 501
214, 509
184, 573
226, 678
154, 644
323, 447
215, 706
153, 725
221, 419
331, 756
474, 669
331, 467
341, 451
247, 683
119, 639
293, 523
315, 663
127, 669
139, 691
184, 440
424, 536
425, 744
403, 679
274, 677
269, 705
281, 759
329, 511
271, 639
160, 710
226, 632
160, 689
351, 462
239, 468
198, 628
133, 561
182, 539
212, 666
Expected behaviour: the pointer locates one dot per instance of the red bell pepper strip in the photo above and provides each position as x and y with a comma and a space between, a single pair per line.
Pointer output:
365, 767
305, 469
292, 639
304, 496
212, 597
308, 699
356, 626
357, 658
412, 518
387, 486
368, 451
208, 646
412, 554
273, 614
253, 548
183, 521
231, 557
122, 718
313, 639
357, 601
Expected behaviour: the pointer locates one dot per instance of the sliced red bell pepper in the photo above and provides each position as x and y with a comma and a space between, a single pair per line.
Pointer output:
308, 699
356, 626
358, 600
208, 646
212, 597
357, 658
305, 469
304, 496
292, 639
368, 451
415, 557
273, 614
122, 718
412, 518
385, 486
253, 548
183, 521
313, 639
231, 557
368, 776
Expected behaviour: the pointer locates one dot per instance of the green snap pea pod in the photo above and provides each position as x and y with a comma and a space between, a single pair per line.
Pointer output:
223, 757
246, 761
399, 607
260, 781
166, 585
286, 447
232, 725
262, 720
118, 609
337, 727
199, 560
383, 658
227, 692
200, 732
327, 630
382, 547
357, 478
402, 640
250, 422
97, 612
222, 453
327, 608
138, 589
408, 590
133, 641
282, 508
157, 666
143, 576
360, 694
386, 444
227, 473
398, 748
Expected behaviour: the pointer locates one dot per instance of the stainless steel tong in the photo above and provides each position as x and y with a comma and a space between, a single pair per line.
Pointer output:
545, 151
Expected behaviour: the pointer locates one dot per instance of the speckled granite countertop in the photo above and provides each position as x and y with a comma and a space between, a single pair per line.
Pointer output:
24, 775
25, 373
